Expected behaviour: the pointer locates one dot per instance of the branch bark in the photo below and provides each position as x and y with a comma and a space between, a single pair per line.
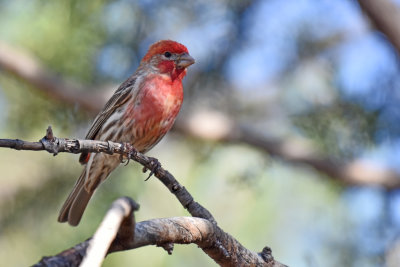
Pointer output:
56, 145
118, 225
385, 15
213, 126
220, 246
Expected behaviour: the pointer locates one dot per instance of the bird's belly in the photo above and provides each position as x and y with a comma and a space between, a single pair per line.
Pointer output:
152, 114
147, 135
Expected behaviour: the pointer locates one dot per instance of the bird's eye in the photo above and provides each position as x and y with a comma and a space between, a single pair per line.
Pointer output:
167, 54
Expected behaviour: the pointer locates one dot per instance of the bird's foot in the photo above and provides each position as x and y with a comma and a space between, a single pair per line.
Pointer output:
131, 152
154, 166
122, 160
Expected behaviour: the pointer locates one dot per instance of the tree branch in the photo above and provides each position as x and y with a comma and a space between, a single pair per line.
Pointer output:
385, 15
56, 145
28, 68
220, 246
118, 225
213, 126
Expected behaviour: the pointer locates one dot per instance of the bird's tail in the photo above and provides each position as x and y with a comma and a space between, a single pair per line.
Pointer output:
75, 205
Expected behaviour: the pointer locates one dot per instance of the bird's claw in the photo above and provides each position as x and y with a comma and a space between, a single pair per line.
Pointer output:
131, 152
121, 160
155, 165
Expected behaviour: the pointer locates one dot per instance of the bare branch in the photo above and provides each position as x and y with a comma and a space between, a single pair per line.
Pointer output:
119, 223
213, 126
28, 68
56, 145
220, 246
385, 15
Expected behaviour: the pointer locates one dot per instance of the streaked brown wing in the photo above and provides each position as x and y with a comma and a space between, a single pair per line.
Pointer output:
118, 99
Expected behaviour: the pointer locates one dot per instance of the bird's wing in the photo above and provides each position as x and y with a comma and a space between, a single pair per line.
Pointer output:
121, 96
118, 99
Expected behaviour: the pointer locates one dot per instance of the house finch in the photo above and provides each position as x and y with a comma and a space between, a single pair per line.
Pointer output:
140, 112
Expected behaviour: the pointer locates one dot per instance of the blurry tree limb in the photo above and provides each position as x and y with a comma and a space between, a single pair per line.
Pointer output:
119, 229
26, 67
212, 126
385, 15
392, 255
215, 126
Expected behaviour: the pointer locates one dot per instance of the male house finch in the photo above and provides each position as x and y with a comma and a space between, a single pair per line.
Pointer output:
140, 112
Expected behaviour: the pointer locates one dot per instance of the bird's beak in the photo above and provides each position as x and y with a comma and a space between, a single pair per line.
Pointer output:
184, 61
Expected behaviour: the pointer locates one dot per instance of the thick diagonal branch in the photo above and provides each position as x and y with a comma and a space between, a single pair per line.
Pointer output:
220, 246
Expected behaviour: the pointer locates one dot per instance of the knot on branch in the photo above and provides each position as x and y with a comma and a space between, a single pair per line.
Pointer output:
176, 187
266, 254
19, 144
49, 142
49, 133
169, 247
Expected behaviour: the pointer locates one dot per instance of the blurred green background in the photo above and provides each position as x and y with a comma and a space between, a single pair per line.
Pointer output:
309, 70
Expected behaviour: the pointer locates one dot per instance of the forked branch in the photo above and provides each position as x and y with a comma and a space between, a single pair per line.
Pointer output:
203, 231
166, 232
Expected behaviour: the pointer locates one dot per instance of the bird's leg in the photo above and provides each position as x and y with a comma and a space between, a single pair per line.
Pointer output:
121, 159
154, 166
131, 152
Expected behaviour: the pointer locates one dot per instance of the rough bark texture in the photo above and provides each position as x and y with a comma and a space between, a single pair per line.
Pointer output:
56, 145
220, 246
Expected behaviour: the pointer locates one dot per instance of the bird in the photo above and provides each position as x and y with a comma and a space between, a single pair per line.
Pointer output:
140, 112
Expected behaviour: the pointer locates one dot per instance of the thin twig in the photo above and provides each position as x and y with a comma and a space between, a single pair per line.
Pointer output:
58, 145
220, 246
353, 172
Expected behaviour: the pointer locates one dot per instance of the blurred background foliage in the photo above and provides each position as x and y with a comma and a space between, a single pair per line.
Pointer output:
315, 70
